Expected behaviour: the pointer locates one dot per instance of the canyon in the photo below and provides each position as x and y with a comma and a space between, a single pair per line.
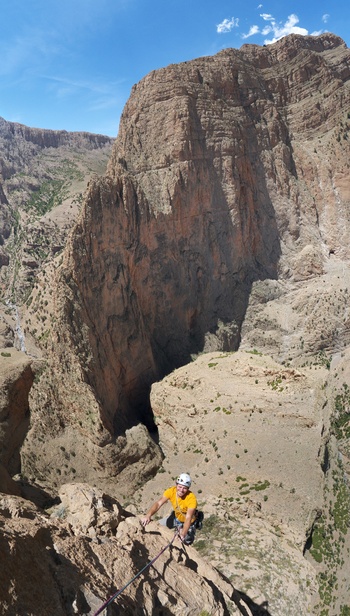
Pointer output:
175, 300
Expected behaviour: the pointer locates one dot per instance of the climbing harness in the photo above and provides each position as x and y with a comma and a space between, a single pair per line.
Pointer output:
119, 592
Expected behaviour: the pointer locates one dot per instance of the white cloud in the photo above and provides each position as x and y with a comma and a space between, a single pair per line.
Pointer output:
260, 6
280, 30
325, 18
227, 25
267, 17
252, 30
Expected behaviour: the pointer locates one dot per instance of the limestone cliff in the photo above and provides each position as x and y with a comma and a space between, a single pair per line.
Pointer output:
226, 170
222, 221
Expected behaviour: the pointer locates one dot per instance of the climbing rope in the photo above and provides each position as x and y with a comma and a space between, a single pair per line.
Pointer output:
119, 592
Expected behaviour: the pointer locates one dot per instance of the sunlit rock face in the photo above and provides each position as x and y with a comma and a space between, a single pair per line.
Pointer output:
210, 180
227, 170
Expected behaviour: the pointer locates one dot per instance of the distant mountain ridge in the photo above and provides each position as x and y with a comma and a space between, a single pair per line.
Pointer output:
39, 171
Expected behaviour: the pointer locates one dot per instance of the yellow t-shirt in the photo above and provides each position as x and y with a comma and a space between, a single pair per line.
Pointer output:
180, 505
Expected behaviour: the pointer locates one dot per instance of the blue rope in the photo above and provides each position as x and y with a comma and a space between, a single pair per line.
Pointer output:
119, 592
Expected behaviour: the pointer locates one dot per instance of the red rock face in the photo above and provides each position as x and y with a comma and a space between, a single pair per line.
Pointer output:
224, 169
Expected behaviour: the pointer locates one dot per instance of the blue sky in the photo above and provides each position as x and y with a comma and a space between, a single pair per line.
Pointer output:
70, 64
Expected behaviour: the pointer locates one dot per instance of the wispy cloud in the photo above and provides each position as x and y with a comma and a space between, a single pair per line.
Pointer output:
51, 31
227, 25
99, 95
76, 84
31, 48
93, 96
252, 30
325, 18
280, 30
267, 17
277, 29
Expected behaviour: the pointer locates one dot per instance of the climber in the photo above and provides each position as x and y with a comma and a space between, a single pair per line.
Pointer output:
184, 511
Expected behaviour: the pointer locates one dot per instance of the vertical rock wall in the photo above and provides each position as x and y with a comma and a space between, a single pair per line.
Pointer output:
226, 170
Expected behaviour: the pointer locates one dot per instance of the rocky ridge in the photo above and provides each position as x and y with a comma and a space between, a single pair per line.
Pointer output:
43, 176
87, 548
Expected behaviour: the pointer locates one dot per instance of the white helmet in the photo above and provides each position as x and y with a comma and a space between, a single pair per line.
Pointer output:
184, 480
